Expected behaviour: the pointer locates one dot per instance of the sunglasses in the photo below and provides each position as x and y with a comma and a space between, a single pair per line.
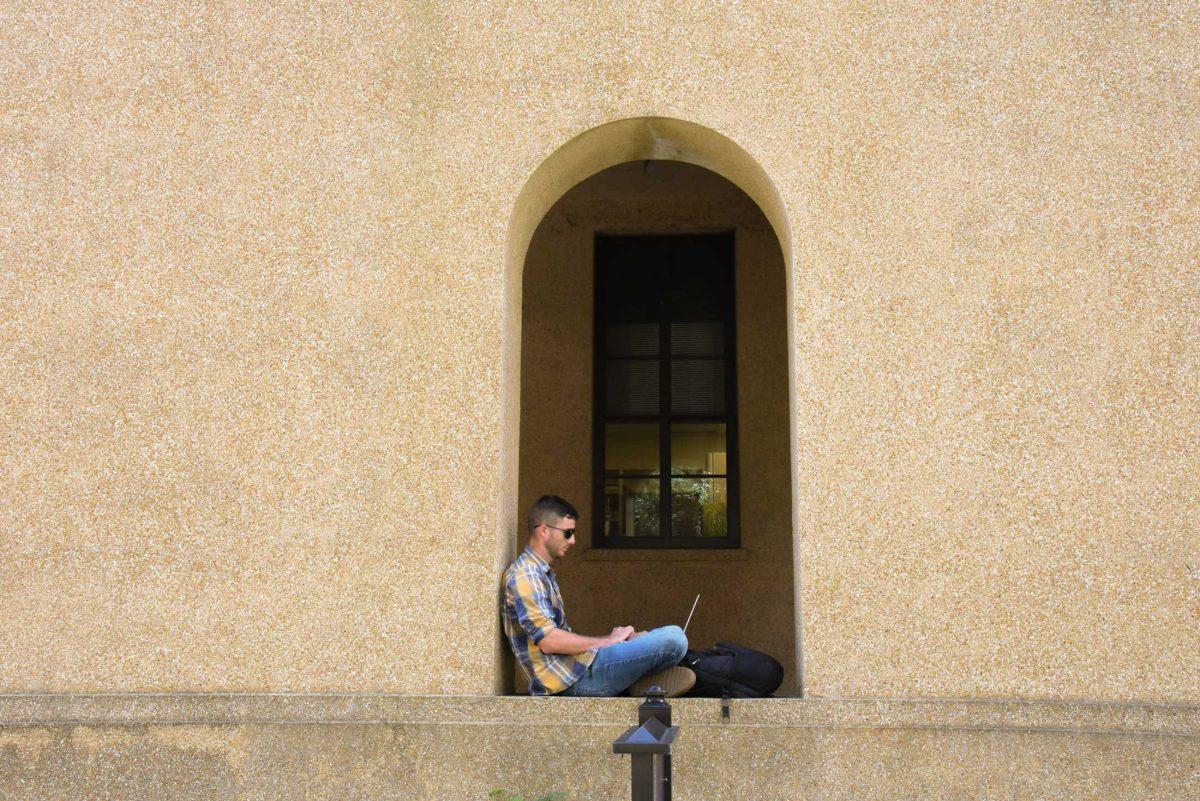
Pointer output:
568, 533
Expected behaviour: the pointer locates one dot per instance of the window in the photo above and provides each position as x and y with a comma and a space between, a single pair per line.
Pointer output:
665, 472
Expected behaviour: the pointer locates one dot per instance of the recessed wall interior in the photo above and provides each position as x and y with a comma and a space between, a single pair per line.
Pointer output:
748, 593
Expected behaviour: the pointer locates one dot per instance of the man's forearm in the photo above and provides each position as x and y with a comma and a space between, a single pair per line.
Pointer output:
561, 641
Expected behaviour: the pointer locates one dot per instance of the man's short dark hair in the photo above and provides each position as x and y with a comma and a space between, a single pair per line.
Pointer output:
550, 509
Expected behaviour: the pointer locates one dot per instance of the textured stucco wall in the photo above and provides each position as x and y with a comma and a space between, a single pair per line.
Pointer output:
252, 375
748, 595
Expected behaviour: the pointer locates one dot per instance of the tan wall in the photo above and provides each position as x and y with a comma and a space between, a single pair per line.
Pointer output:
748, 595
258, 338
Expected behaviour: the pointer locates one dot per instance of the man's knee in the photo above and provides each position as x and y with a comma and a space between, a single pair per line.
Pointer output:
674, 637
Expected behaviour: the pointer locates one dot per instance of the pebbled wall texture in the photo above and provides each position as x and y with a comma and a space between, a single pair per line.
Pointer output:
260, 331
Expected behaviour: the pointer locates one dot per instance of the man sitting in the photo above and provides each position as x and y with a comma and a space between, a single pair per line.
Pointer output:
557, 660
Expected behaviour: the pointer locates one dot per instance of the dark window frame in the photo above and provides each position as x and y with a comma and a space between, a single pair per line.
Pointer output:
725, 240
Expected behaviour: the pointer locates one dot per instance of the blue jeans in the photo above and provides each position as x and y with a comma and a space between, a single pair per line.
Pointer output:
618, 666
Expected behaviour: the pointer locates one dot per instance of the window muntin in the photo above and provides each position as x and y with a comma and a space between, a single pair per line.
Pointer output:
665, 416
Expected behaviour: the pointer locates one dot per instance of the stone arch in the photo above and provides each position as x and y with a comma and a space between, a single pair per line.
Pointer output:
633, 139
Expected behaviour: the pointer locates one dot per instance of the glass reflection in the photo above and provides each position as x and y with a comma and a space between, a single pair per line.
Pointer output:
698, 387
631, 448
699, 507
632, 388
631, 507
698, 448
697, 339
633, 339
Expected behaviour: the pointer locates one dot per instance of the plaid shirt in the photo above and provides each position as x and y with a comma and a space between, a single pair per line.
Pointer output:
533, 607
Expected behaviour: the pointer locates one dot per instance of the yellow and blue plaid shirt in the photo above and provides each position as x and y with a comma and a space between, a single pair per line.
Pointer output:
532, 608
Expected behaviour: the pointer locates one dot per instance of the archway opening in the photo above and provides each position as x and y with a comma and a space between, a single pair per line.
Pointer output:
621, 141
683, 483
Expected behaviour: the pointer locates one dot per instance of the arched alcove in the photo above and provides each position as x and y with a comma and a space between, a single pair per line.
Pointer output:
650, 140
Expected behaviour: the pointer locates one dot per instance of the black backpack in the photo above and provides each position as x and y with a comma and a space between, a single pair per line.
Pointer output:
733, 670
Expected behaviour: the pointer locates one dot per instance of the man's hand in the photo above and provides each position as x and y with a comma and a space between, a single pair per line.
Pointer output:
620, 634
636, 634
561, 641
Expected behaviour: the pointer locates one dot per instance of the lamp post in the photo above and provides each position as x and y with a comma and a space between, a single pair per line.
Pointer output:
649, 746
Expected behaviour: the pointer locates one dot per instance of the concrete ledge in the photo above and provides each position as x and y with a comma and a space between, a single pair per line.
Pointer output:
129, 709
214, 747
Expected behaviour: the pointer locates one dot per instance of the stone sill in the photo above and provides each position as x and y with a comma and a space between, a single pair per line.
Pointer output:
666, 555
134, 709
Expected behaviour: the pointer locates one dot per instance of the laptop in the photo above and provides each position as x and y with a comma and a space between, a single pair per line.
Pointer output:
689, 617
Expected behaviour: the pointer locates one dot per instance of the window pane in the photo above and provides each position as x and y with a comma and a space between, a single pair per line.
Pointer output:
698, 448
629, 278
635, 339
665, 316
632, 388
700, 286
631, 507
697, 339
699, 507
631, 448
698, 387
